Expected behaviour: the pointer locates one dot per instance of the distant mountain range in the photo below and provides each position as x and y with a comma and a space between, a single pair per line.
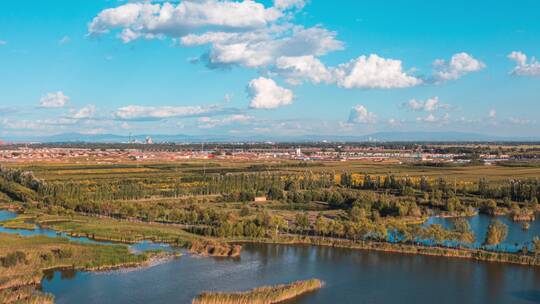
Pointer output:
182, 138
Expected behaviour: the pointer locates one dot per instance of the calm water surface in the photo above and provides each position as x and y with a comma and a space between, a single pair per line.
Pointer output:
517, 236
351, 276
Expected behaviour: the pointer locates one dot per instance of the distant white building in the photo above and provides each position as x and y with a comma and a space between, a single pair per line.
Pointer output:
149, 140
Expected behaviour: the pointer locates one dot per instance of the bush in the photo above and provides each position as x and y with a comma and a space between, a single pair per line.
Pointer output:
12, 259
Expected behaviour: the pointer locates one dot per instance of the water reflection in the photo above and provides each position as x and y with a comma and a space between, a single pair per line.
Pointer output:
351, 276
517, 236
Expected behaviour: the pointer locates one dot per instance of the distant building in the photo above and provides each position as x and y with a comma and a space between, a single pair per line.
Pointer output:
149, 140
260, 199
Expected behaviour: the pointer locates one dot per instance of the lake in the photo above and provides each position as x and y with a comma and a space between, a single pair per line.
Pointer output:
517, 236
351, 276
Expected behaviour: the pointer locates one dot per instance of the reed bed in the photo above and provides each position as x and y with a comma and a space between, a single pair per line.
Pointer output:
261, 295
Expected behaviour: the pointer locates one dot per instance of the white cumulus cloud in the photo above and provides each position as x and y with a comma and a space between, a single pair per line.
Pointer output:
459, 65
360, 114
373, 72
85, 112
297, 69
266, 94
524, 67
288, 4
153, 20
53, 100
261, 48
429, 105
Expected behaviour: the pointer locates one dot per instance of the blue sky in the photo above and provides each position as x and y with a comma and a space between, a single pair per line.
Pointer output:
289, 67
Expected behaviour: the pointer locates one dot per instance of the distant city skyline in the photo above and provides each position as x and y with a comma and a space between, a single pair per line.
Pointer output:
269, 68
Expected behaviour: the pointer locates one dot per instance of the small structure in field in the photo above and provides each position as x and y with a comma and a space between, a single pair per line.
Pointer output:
260, 199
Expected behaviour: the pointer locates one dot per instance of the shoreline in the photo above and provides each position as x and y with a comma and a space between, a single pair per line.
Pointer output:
409, 249
33, 285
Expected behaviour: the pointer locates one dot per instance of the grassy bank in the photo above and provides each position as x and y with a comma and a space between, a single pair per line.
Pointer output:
464, 253
261, 295
104, 229
24, 259
128, 232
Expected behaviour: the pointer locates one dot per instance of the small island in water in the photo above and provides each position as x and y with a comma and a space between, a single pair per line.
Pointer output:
261, 295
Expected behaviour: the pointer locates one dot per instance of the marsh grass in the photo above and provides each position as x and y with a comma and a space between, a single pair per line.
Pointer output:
261, 295
26, 258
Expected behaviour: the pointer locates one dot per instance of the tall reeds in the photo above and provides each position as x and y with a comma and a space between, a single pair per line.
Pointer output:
261, 295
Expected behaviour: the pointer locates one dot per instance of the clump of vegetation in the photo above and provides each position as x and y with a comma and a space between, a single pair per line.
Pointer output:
13, 258
213, 248
496, 234
536, 245
261, 295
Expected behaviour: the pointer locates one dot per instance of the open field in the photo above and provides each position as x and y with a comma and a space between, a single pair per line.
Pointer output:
208, 206
93, 171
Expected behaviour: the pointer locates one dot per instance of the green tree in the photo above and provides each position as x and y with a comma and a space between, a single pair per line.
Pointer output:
357, 213
274, 193
302, 222
321, 226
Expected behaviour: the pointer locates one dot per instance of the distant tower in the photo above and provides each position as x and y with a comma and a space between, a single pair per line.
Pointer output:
298, 152
149, 140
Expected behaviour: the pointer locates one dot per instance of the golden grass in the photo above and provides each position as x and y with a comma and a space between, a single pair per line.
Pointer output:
261, 295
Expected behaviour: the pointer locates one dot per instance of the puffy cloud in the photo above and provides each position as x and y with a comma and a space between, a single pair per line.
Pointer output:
288, 4
297, 69
524, 68
238, 33
85, 112
430, 105
135, 112
365, 72
360, 114
261, 48
373, 72
492, 114
459, 65
266, 94
53, 100
154, 20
